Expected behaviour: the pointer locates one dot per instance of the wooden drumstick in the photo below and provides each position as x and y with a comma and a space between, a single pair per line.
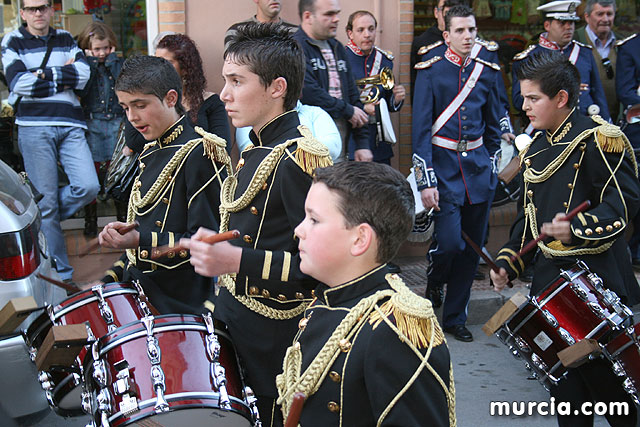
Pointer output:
66, 286
296, 410
532, 244
220, 237
95, 243
477, 249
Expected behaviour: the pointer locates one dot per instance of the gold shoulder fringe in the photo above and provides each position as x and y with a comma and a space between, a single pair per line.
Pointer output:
413, 315
608, 136
311, 153
214, 146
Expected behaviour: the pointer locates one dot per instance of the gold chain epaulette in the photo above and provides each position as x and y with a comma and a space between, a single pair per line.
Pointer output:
428, 63
524, 53
582, 44
487, 63
425, 49
214, 147
311, 153
386, 53
487, 44
623, 41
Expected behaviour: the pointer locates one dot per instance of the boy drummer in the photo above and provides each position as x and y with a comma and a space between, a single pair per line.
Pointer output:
368, 349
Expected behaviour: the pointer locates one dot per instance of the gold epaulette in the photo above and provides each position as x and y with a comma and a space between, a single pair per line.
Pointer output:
623, 41
487, 44
425, 49
524, 53
214, 146
582, 44
414, 316
488, 64
609, 137
386, 53
311, 153
428, 63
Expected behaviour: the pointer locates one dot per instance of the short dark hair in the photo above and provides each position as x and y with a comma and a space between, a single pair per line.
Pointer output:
375, 194
22, 3
604, 3
270, 51
306, 5
457, 11
150, 75
451, 3
358, 14
553, 72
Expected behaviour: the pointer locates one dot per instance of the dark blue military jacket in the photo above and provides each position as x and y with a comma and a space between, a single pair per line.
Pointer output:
628, 81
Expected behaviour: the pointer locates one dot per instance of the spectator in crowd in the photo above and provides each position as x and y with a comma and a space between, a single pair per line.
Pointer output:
43, 66
599, 34
328, 80
559, 25
267, 11
366, 60
455, 131
100, 104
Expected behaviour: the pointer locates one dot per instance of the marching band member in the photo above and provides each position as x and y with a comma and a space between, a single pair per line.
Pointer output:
572, 159
365, 60
263, 292
368, 351
177, 189
455, 130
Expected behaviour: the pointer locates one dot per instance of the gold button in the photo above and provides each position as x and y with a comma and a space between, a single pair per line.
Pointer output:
165, 200
565, 204
333, 406
159, 223
583, 147
282, 297
253, 290
183, 253
144, 253
247, 238
266, 293
599, 230
578, 232
609, 228
299, 295
617, 224
254, 210
576, 166
588, 231
138, 184
303, 323
171, 254
570, 186
530, 193
344, 345
264, 186
527, 162
335, 377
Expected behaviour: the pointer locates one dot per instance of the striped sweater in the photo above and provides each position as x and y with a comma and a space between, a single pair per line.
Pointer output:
48, 101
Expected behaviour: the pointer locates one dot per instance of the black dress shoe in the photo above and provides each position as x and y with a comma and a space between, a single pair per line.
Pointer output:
435, 295
393, 268
460, 332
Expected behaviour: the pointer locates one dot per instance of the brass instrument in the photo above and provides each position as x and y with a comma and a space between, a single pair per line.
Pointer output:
385, 79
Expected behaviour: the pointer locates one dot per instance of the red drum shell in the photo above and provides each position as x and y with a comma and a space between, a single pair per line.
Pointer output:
189, 388
622, 349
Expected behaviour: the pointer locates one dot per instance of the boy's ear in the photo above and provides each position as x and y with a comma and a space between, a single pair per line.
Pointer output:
365, 237
171, 98
278, 87
562, 97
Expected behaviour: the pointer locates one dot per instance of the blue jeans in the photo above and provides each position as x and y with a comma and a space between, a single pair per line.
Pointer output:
102, 136
42, 147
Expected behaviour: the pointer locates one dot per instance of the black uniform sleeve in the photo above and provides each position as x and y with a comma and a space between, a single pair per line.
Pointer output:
116, 272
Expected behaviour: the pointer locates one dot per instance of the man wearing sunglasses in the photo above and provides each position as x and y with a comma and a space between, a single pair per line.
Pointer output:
43, 66
599, 34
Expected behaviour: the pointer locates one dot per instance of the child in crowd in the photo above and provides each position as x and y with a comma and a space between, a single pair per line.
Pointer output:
100, 104
368, 349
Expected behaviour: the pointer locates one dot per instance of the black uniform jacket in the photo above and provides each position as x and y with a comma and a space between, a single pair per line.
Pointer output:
188, 198
269, 275
374, 364
560, 172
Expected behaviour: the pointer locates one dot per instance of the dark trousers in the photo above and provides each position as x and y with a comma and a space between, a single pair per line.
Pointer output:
593, 382
452, 261
270, 413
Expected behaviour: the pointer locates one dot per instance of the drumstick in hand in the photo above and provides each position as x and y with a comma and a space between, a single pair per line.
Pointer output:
95, 243
484, 256
66, 286
220, 237
296, 409
568, 217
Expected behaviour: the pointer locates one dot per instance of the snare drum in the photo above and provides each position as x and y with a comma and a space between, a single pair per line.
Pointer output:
573, 307
624, 353
102, 308
170, 370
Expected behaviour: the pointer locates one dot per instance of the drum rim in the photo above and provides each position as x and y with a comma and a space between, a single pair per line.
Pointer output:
208, 395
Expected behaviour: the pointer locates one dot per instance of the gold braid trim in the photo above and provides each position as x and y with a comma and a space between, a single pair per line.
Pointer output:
165, 178
414, 316
552, 250
291, 380
311, 153
214, 147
